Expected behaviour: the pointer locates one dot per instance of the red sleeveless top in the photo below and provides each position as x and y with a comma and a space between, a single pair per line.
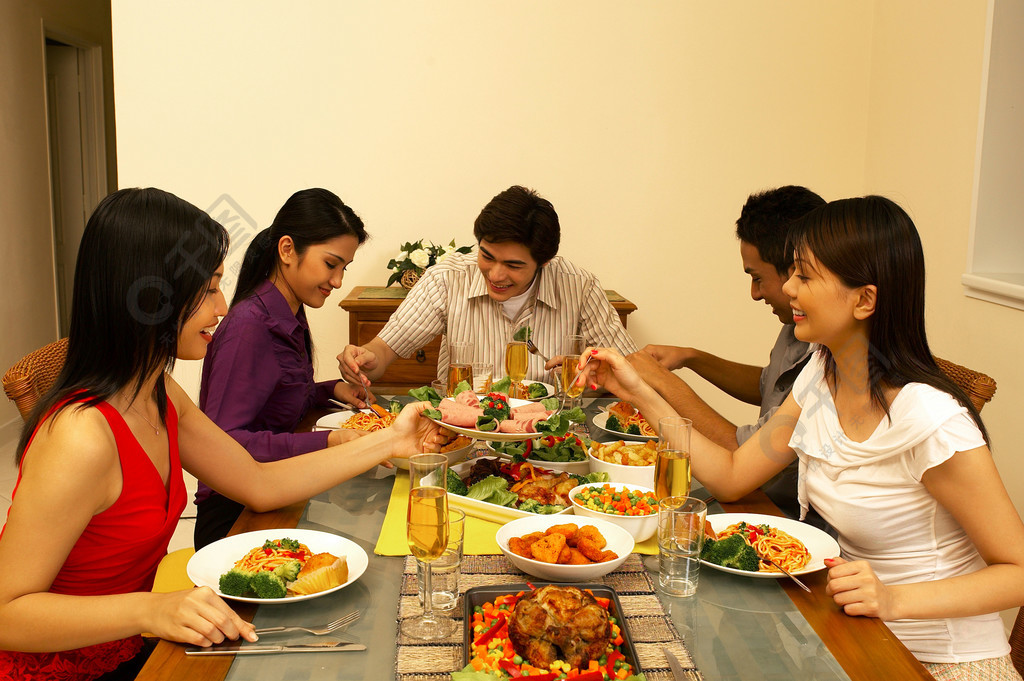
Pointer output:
118, 552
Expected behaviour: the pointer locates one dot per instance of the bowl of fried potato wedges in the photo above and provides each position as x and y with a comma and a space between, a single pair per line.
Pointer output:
563, 548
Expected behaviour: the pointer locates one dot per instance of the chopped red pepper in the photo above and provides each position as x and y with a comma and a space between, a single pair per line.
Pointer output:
543, 677
590, 676
499, 622
511, 667
613, 657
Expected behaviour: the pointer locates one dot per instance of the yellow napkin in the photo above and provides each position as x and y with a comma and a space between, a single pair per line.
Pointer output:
479, 537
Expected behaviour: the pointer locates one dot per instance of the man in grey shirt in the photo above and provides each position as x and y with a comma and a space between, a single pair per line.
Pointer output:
762, 229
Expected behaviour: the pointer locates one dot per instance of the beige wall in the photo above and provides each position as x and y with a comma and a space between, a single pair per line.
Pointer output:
27, 306
647, 124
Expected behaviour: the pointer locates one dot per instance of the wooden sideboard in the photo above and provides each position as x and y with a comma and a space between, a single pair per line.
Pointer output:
369, 308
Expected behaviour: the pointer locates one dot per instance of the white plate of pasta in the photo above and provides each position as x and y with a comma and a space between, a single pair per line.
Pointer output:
601, 421
777, 544
355, 420
210, 562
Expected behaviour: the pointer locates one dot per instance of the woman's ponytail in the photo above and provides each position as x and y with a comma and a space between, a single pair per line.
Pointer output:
257, 264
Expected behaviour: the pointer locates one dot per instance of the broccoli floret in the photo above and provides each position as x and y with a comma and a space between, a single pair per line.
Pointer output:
455, 484
732, 552
235, 582
268, 585
288, 571
535, 390
534, 506
613, 423
633, 429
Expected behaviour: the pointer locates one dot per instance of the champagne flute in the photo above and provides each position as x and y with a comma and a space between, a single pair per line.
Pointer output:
427, 533
572, 347
516, 357
672, 470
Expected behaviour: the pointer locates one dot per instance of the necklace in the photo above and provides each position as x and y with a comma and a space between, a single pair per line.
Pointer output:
155, 429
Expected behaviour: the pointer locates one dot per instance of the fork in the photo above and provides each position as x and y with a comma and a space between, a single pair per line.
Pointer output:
534, 351
328, 628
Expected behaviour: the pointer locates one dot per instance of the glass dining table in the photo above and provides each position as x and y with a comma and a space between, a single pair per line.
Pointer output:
734, 627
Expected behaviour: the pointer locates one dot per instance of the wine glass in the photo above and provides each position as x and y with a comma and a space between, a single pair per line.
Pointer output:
572, 347
460, 365
427, 533
516, 357
672, 470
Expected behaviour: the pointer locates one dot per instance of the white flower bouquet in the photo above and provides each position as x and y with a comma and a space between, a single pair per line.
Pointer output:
417, 256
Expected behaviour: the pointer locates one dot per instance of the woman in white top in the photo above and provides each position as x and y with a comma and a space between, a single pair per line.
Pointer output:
892, 454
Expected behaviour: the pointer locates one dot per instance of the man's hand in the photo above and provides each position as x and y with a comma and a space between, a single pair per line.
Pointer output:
671, 357
354, 361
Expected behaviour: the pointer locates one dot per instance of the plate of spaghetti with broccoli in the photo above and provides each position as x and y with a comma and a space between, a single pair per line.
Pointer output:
733, 543
276, 566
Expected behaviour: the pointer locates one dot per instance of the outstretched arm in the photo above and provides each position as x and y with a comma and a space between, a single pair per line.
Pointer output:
72, 472
214, 457
684, 401
727, 474
742, 381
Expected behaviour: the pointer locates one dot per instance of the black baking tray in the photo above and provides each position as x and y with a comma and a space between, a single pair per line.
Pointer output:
479, 595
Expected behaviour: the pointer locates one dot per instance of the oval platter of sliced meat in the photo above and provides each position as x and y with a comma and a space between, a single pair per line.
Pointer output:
460, 414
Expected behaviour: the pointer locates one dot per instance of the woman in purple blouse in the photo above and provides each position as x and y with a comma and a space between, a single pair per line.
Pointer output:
258, 375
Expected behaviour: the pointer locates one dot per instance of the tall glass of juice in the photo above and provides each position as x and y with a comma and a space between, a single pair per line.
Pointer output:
672, 470
460, 365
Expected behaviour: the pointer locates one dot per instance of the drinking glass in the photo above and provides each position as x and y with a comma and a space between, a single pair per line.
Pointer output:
446, 570
427, 533
516, 357
572, 348
680, 539
460, 365
483, 374
672, 470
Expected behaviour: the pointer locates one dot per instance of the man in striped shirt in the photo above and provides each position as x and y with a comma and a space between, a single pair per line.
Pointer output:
514, 279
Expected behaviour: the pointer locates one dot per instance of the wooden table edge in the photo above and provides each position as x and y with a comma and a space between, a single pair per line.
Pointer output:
839, 632
168, 661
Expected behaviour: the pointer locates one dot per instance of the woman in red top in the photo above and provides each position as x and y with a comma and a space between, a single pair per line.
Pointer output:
100, 484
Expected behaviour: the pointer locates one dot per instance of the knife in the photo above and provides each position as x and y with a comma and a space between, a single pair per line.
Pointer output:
236, 648
675, 665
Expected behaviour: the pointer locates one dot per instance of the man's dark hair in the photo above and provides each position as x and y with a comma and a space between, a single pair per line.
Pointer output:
766, 218
519, 214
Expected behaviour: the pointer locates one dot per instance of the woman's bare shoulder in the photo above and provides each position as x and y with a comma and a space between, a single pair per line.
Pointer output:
77, 435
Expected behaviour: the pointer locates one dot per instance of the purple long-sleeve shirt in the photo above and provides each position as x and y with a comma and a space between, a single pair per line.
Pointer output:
258, 379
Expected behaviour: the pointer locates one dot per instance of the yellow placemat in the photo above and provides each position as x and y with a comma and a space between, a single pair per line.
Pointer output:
479, 540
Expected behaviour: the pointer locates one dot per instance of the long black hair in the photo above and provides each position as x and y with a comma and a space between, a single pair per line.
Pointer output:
872, 240
144, 264
309, 217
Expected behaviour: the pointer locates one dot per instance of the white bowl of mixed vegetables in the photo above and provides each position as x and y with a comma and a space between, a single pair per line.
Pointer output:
566, 453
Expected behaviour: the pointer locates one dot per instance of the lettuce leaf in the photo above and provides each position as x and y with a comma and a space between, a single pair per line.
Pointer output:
551, 403
522, 334
502, 386
461, 387
425, 394
486, 423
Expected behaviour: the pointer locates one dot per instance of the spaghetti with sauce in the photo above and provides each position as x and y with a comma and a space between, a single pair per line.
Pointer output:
771, 542
273, 554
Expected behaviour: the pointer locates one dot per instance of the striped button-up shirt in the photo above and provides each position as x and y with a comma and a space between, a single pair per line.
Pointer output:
451, 299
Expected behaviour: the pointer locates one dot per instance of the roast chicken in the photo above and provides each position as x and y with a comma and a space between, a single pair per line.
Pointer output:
559, 623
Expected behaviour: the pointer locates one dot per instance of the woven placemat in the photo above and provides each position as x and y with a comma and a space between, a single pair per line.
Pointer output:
651, 629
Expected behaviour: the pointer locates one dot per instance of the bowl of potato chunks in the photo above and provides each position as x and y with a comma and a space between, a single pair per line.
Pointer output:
551, 548
631, 462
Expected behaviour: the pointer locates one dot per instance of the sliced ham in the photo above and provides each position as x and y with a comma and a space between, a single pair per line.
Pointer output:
529, 410
521, 425
468, 398
460, 415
